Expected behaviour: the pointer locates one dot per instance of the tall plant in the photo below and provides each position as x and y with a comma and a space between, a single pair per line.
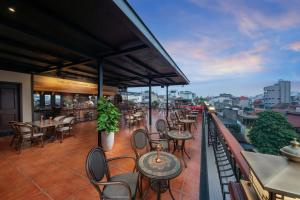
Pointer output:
108, 116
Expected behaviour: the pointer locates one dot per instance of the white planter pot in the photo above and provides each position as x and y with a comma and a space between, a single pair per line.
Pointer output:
107, 141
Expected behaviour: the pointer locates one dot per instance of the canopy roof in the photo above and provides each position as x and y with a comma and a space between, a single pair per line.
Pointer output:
69, 38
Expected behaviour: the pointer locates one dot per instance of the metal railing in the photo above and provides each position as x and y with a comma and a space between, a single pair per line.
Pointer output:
231, 166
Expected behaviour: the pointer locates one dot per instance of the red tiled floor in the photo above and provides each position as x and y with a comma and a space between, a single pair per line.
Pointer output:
57, 171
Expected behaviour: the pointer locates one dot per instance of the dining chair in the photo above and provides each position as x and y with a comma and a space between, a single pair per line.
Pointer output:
162, 128
13, 127
65, 128
26, 132
121, 186
59, 118
155, 141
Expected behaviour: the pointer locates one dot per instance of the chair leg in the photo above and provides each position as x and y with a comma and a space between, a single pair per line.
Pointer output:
42, 141
12, 140
19, 145
62, 137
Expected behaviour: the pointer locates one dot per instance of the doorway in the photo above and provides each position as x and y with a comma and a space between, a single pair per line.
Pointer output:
9, 105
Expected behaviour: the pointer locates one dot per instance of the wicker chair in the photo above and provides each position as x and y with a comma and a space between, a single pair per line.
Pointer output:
27, 132
130, 120
66, 128
121, 186
142, 143
12, 125
59, 118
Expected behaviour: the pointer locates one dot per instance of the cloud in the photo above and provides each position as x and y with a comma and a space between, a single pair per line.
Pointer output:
210, 59
252, 19
294, 46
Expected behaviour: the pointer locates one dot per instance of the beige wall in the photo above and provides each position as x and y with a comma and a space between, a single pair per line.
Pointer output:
25, 80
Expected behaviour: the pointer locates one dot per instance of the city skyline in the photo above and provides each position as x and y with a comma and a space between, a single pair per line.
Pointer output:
228, 46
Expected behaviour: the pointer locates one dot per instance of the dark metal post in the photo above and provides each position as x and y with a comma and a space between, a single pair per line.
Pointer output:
100, 79
150, 105
100, 91
167, 104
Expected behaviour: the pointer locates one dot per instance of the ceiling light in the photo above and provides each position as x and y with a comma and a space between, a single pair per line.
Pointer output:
11, 9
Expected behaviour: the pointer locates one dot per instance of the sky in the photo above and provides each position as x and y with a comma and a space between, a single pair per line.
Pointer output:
232, 46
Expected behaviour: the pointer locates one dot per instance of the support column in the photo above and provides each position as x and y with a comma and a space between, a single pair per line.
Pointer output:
167, 104
150, 104
100, 79
32, 96
100, 90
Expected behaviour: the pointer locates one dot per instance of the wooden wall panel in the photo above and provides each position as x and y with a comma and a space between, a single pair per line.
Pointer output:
52, 84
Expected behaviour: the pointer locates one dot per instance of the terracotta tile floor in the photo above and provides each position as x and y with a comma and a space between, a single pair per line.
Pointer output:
57, 171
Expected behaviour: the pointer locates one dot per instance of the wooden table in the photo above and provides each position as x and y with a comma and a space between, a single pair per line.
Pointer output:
159, 173
46, 123
183, 136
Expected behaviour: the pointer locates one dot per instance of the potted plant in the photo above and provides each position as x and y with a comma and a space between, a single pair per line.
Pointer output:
107, 122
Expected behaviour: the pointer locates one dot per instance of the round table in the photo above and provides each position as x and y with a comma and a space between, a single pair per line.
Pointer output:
188, 123
159, 173
183, 136
192, 116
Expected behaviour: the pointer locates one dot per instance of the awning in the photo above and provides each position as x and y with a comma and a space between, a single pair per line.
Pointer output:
69, 38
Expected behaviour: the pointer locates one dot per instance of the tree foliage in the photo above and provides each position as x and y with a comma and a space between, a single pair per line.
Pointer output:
270, 132
234, 128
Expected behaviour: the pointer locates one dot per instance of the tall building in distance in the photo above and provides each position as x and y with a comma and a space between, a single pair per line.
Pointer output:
279, 93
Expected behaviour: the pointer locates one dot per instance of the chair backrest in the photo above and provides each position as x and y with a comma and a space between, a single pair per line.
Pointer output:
12, 125
173, 116
139, 142
23, 128
161, 126
59, 118
69, 120
96, 165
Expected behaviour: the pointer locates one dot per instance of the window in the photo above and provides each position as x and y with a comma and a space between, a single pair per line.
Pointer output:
57, 100
47, 100
36, 100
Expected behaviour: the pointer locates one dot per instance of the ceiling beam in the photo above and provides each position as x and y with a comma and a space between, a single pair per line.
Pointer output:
68, 66
26, 68
8, 23
141, 64
33, 48
123, 52
28, 58
43, 10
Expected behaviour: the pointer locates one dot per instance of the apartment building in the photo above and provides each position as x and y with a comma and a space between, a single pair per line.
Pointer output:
279, 93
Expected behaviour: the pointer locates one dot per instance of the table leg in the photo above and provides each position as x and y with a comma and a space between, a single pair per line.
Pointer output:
175, 146
183, 147
169, 187
158, 192
182, 153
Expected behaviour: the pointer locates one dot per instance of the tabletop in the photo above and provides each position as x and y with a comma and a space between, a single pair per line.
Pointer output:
183, 135
169, 167
46, 123
187, 121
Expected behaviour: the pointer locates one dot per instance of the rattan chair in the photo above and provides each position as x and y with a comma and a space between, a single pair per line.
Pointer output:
121, 186
13, 127
66, 128
59, 118
130, 120
141, 142
27, 132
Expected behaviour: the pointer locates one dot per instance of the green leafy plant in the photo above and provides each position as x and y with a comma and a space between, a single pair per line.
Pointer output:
108, 116
270, 132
